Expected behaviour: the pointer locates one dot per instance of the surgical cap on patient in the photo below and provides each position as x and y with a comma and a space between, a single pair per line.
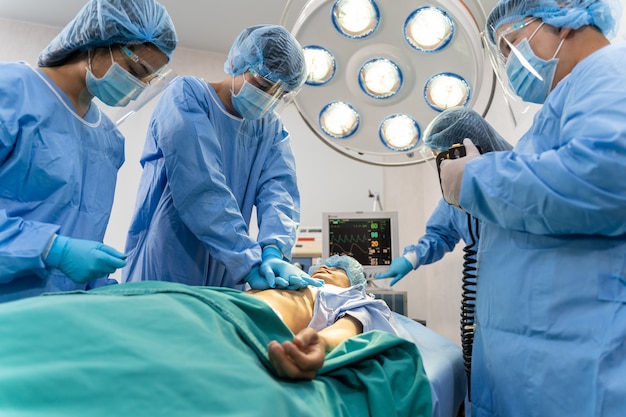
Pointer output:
603, 14
353, 268
457, 123
105, 22
272, 52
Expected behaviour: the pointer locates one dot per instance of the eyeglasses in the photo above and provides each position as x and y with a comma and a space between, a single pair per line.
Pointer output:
504, 45
148, 71
268, 86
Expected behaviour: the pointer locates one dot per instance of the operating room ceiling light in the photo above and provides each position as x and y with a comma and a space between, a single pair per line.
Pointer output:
399, 132
380, 78
320, 65
355, 18
428, 29
379, 71
446, 90
339, 120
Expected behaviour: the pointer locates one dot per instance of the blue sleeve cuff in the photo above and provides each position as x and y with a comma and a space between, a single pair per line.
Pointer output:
53, 258
271, 251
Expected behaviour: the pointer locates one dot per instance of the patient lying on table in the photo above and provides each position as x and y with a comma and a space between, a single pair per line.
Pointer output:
321, 318
153, 348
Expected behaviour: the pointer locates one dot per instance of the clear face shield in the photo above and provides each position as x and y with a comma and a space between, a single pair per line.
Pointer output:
152, 80
429, 155
522, 75
259, 95
498, 66
498, 57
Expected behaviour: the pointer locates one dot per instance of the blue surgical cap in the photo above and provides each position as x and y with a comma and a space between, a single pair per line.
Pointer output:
353, 268
105, 22
603, 14
271, 51
457, 123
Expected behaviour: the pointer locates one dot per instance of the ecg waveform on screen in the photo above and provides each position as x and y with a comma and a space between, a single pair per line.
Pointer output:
367, 240
349, 248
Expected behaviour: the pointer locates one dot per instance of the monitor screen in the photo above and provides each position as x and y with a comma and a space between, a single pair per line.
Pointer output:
369, 237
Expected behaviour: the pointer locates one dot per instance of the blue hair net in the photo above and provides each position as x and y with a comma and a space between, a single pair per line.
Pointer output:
271, 51
457, 123
353, 268
105, 22
603, 14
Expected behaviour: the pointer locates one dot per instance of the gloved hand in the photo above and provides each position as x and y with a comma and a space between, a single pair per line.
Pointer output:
399, 267
83, 260
258, 281
304, 280
451, 173
285, 275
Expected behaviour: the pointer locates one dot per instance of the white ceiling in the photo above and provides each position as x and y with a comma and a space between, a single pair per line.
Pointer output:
209, 25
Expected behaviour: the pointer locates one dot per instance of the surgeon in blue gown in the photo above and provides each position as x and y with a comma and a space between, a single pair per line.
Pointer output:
447, 224
213, 153
551, 298
59, 154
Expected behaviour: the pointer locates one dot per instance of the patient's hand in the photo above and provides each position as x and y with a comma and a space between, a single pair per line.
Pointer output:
300, 358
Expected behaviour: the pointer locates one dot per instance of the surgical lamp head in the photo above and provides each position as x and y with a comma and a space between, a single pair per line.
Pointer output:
106, 22
457, 123
272, 52
352, 267
603, 14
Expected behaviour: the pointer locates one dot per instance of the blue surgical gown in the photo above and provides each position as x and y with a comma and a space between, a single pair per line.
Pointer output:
57, 175
551, 304
444, 228
204, 171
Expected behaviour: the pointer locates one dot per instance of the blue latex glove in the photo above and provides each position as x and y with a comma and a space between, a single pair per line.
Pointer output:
83, 260
304, 280
284, 274
258, 281
451, 173
399, 267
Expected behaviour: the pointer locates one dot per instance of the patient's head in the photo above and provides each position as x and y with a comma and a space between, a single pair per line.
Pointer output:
340, 270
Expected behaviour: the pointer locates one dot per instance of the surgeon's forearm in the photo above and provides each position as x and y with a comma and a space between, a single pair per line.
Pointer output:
342, 329
22, 243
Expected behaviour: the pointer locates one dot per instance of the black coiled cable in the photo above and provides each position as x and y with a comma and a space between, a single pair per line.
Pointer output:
468, 302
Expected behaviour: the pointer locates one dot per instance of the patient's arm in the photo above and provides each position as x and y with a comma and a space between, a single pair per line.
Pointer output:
344, 328
302, 357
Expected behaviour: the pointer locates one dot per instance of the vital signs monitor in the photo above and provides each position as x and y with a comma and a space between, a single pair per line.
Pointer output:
369, 237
